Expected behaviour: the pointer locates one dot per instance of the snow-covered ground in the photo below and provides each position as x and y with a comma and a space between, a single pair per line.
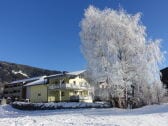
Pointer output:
154, 115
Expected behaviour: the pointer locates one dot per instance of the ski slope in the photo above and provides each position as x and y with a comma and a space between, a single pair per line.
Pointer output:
154, 115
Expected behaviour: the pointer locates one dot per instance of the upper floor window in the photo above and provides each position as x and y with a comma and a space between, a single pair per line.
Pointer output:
80, 83
80, 76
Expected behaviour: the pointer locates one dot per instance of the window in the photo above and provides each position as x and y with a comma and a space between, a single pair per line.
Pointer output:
62, 93
74, 82
105, 69
103, 86
6, 86
39, 94
75, 92
80, 83
5, 92
80, 76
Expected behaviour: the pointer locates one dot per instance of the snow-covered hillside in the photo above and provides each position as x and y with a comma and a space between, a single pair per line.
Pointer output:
155, 115
20, 72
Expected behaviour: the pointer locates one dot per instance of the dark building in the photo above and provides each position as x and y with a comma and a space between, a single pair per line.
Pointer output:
16, 89
164, 77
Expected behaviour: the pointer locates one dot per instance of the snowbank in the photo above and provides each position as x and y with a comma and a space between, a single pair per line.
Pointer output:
60, 105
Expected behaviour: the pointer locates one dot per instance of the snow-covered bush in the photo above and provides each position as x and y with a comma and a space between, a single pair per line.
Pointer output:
59, 105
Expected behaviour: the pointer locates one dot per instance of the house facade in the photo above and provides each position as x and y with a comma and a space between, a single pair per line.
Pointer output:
57, 88
71, 88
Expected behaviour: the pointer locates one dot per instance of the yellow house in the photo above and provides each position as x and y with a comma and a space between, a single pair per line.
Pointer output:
61, 87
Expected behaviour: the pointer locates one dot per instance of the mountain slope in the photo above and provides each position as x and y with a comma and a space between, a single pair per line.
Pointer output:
11, 72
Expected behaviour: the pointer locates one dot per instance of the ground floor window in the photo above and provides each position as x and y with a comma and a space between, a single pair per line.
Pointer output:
39, 94
62, 93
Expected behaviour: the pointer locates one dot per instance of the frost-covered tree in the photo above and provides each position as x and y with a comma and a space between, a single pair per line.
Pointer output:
117, 50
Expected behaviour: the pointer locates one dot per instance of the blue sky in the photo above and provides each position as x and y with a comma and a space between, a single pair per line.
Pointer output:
45, 33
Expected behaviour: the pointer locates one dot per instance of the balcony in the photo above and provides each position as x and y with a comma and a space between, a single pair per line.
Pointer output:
69, 86
80, 98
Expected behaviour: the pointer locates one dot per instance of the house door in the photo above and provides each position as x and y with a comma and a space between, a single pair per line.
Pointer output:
23, 93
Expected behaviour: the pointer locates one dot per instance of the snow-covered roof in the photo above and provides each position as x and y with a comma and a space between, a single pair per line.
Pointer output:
25, 80
42, 79
37, 82
76, 72
54, 75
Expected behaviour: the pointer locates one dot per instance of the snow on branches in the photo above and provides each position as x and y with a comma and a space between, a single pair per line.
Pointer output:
117, 50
